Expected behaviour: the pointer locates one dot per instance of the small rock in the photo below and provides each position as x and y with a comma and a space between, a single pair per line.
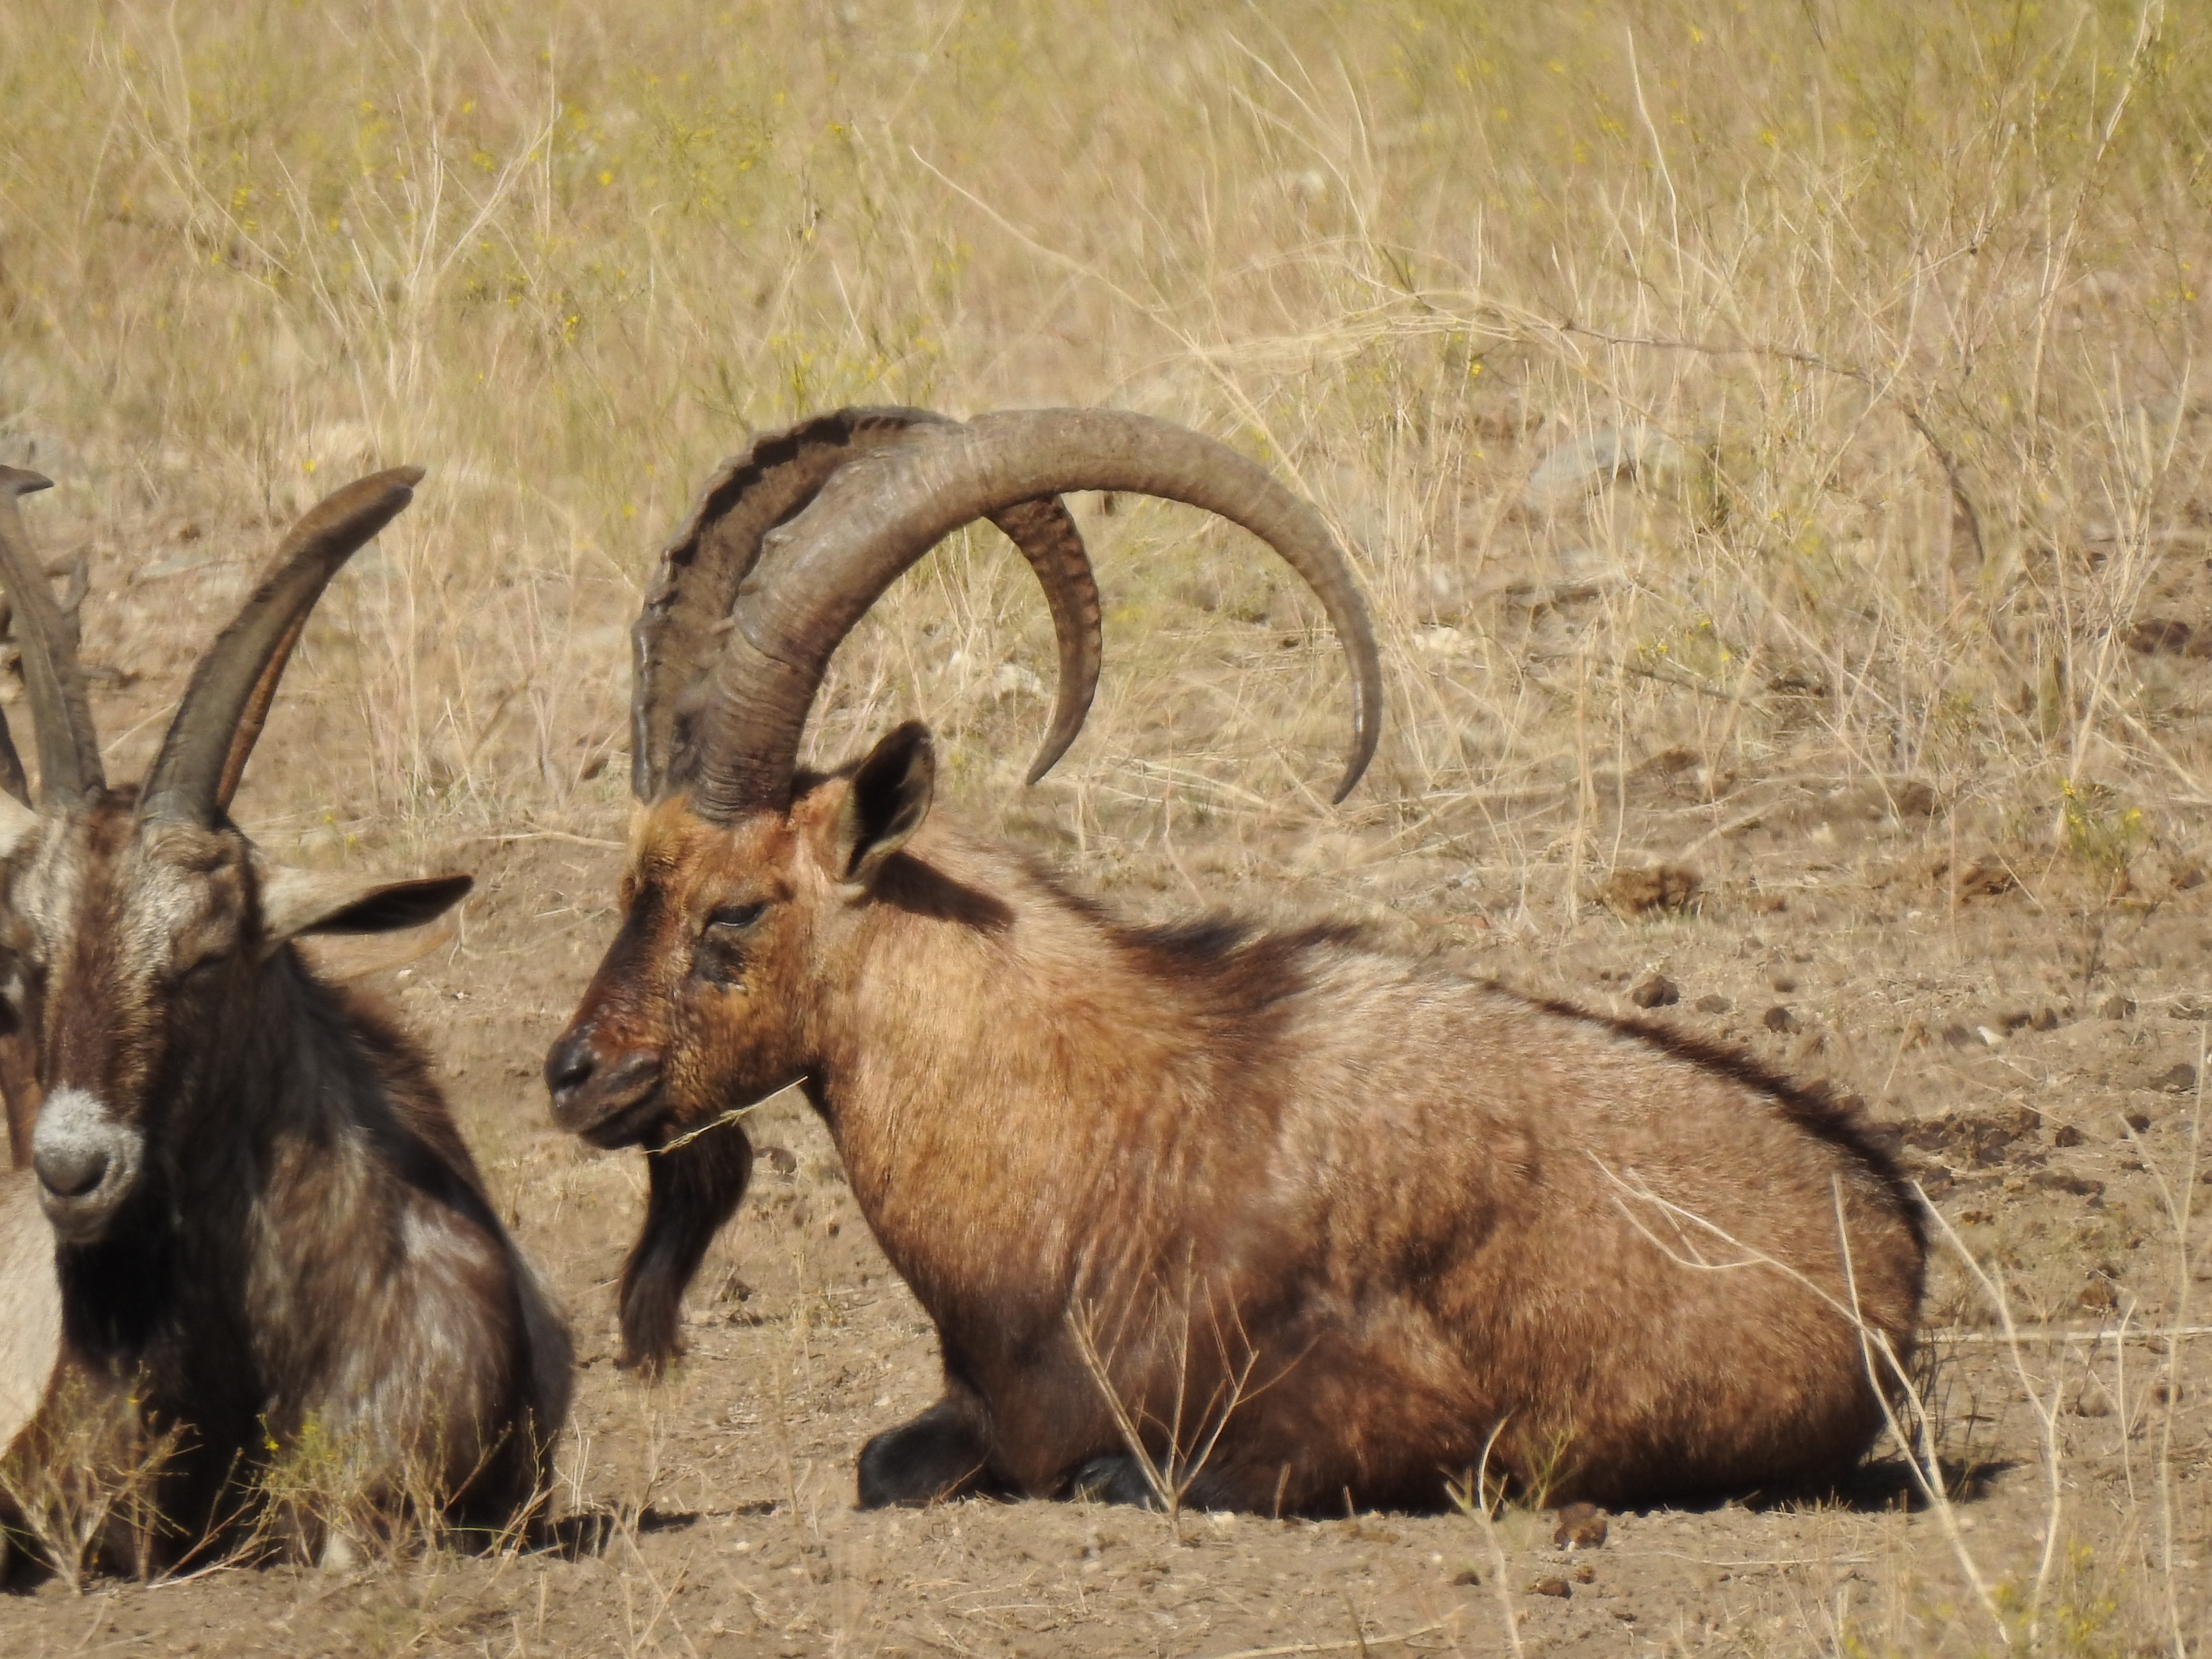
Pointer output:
2066, 1135
1634, 449
1631, 893
1550, 1587
2057, 1180
1586, 1574
1987, 877
1655, 991
1581, 1527
1466, 1575
2047, 1019
2117, 1008
1713, 1003
2168, 636
2093, 1401
1013, 679
781, 1159
2180, 1080
1780, 1018
1783, 983
2137, 1121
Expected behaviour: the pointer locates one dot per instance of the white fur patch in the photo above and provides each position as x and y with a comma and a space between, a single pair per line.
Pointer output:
75, 1127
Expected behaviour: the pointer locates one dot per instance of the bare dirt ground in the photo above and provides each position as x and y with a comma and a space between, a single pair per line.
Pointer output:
2027, 1023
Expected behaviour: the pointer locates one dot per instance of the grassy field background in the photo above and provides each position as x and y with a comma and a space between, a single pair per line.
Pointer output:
1757, 420
1904, 299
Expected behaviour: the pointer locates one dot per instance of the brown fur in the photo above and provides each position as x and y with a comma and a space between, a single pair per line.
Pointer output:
307, 1241
1418, 1215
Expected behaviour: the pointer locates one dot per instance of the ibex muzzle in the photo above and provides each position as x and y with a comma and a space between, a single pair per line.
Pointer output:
86, 1160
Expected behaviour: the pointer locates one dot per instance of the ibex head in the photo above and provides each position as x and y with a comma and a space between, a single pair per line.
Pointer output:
136, 921
749, 882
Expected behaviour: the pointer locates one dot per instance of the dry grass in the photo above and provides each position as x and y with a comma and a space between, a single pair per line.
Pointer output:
1728, 409
1907, 303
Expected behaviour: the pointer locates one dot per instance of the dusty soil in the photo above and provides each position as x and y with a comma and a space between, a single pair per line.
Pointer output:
2027, 1023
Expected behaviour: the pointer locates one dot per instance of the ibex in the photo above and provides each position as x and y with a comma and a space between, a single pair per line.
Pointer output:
1301, 1219
263, 1220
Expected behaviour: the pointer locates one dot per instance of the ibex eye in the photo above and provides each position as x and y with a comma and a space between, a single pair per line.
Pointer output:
736, 917
205, 969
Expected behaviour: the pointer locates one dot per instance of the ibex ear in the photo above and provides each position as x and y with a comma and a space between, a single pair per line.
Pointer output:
884, 805
296, 901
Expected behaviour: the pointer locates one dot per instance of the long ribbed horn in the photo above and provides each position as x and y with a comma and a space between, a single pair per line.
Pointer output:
882, 513
61, 717
200, 751
687, 606
255, 716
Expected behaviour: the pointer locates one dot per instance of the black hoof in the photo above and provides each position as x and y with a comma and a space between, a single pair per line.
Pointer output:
1114, 1478
939, 1456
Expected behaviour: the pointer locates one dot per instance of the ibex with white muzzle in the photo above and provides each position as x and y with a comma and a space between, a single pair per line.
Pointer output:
262, 1219
1309, 1221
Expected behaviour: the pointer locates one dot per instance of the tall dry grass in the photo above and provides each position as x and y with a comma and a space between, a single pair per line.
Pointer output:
1905, 300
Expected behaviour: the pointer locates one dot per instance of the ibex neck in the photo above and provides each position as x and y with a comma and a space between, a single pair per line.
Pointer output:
1032, 1059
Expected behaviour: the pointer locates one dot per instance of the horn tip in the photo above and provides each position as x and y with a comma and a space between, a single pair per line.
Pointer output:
1056, 743
1353, 774
22, 481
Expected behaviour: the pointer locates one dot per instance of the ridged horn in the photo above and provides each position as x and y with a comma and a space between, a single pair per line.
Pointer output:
687, 606
876, 517
61, 716
255, 716
202, 751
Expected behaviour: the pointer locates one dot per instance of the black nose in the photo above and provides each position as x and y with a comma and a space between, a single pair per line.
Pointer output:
569, 1066
71, 1169
590, 1090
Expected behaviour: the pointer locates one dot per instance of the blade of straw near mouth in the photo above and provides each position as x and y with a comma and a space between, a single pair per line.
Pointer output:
202, 747
687, 606
61, 717
881, 513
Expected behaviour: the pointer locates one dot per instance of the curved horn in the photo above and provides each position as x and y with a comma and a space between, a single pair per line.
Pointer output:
61, 718
255, 716
687, 606
877, 516
236, 678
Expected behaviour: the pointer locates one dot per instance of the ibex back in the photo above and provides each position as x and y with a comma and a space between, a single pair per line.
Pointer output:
1283, 1219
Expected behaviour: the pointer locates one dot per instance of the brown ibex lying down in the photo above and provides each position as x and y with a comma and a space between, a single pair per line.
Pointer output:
1309, 1220
263, 1221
